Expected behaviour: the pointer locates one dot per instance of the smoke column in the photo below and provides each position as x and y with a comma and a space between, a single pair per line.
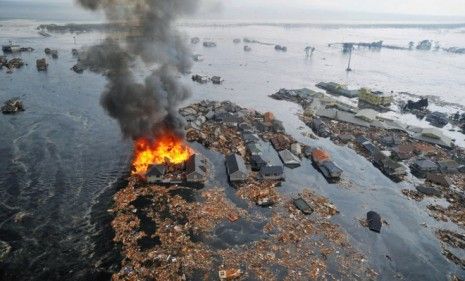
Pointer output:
147, 108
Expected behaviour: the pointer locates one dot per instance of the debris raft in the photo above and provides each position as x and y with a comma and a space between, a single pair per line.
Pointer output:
280, 48
452, 240
217, 80
166, 233
263, 193
209, 44
41, 64
200, 79
14, 63
12, 106
77, 68
3, 61
392, 149
5, 249
179, 233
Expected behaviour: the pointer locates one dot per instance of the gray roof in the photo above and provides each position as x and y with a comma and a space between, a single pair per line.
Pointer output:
254, 148
288, 158
235, 163
425, 164
269, 170
156, 171
251, 138
258, 159
195, 164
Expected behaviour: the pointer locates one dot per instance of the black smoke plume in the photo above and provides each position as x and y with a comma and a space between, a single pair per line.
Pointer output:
142, 108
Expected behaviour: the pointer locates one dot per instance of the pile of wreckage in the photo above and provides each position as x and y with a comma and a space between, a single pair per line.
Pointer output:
12, 106
209, 44
217, 80
418, 108
280, 48
174, 233
41, 64
255, 145
11, 64
52, 53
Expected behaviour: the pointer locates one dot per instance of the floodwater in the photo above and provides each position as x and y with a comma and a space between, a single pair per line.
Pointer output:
61, 158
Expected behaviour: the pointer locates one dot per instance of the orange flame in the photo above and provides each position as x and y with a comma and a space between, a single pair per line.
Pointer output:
165, 149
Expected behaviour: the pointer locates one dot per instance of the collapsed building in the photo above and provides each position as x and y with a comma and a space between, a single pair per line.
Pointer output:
337, 89
375, 98
12, 106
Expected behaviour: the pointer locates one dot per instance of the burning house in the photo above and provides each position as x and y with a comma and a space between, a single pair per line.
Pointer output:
193, 171
168, 159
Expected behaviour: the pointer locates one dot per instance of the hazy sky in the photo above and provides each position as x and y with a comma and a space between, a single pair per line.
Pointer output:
421, 7
321, 10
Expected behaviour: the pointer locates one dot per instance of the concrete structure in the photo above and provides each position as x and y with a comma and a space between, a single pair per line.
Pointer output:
374, 97
338, 89
235, 166
368, 115
433, 136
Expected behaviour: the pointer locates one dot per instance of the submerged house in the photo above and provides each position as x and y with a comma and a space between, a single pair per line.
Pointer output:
257, 162
448, 166
235, 166
320, 128
254, 148
389, 167
403, 151
289, 159
338, 89
422, 167
330, 171
248, 138
439, 179
272, 173
196, 169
